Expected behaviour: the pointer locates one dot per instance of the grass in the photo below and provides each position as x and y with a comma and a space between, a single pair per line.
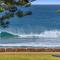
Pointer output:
28, 56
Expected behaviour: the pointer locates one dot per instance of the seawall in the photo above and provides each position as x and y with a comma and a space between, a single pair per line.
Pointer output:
29, 49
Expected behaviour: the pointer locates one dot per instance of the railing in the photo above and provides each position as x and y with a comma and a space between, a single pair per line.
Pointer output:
29, 50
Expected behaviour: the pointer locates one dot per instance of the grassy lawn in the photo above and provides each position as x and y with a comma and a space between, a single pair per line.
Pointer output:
28, 56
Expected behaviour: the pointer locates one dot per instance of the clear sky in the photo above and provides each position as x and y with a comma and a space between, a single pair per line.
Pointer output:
46, 2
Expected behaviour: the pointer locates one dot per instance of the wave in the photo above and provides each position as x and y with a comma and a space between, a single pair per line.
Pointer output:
45, 34
28, 45
6, 35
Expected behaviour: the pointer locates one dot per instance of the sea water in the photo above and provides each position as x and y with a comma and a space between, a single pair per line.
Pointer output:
41, 29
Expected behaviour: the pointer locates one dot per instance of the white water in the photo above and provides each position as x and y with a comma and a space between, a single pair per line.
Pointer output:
28, 44
45, 39
45, 34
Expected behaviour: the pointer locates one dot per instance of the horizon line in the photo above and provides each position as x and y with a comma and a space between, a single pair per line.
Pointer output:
45, 4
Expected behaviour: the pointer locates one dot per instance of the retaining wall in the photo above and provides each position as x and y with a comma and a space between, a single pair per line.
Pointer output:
29, 49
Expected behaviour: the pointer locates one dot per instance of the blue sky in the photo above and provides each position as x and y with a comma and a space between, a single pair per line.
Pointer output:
46, 2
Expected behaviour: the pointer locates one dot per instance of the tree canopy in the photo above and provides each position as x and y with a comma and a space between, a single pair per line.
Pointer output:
11, 7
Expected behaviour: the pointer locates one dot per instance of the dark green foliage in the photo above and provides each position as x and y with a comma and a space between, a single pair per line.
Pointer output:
19, 13
13, 9
11, 6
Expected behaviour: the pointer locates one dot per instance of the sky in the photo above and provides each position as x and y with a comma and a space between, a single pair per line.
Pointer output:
46, 2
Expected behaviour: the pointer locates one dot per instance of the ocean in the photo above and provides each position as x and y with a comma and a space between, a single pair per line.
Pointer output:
41, 29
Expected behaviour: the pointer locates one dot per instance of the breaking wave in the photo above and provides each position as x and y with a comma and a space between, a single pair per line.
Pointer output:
43, 43
45, 34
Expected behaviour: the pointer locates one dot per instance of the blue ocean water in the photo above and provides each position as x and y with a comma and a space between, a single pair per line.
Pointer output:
41, 29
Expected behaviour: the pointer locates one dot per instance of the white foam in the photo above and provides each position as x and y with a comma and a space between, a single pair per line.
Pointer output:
28, 44
45, 34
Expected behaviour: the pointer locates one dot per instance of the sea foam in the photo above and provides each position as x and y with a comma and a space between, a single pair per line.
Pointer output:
45, 34
28, 44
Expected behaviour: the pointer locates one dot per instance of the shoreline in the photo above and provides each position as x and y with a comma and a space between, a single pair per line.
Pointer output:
29, 49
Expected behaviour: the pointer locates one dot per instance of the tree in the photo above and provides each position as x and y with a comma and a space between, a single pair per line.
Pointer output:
11, 7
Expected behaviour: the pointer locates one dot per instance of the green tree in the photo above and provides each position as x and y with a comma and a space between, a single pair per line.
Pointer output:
11, 6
